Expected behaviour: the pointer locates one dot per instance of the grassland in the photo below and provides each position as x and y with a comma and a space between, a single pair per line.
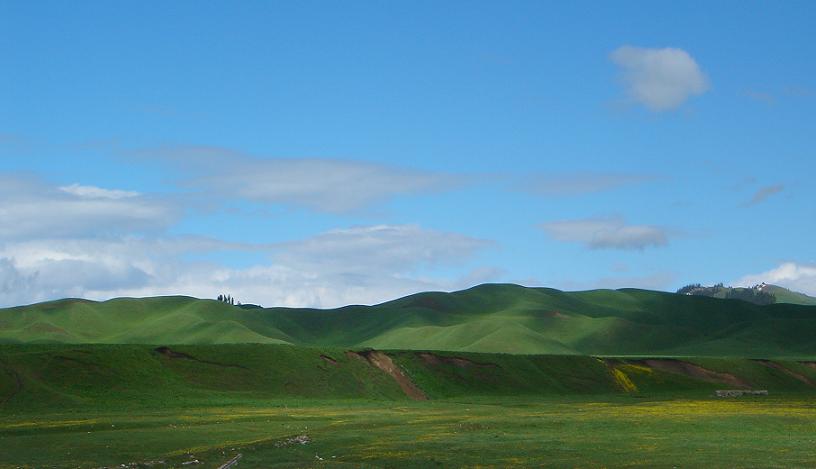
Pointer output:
106, 405
488, 318
597, 431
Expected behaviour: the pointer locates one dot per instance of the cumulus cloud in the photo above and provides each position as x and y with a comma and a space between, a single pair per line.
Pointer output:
660, 79
355, 265
32, 208
763, 193
582, 183
328, 185
607, 233
792, 275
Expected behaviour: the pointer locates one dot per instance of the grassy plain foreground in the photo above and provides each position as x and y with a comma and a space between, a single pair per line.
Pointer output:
602, 431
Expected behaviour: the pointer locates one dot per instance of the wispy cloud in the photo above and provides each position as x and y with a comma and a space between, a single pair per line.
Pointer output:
384, 248
32, 208
607, 233
328, 185
660, 79
93, 192
763, 193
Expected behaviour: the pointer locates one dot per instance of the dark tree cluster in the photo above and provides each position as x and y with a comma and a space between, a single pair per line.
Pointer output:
228, 299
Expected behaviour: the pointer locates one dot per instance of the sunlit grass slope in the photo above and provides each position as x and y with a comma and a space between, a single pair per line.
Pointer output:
487, 318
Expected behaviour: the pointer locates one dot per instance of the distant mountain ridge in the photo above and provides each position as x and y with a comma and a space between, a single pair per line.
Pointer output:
761, 294
487, 318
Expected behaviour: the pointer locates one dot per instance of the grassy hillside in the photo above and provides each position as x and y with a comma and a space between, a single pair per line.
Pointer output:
783, 295
103, 376
487, 318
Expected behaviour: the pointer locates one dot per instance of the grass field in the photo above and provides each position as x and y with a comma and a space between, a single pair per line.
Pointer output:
602, 431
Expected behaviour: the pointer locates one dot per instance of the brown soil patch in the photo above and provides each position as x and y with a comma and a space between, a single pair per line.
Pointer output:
329, 360
809, 364
172, 354
434, 359
384, 363
791, 373
694, 371
556, 314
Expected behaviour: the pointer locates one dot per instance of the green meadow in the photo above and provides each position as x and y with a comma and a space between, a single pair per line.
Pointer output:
597, 431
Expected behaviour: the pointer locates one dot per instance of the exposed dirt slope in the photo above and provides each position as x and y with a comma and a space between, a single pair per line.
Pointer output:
384, 363
695, 371
791, 373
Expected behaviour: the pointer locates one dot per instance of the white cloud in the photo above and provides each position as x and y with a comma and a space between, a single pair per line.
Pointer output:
31, 208
328, 185
93, 192
16, 288
791, 275
660, 79
356, 265
607, 233
90, 242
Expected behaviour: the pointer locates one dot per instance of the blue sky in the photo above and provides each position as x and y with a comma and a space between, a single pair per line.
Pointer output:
324, 153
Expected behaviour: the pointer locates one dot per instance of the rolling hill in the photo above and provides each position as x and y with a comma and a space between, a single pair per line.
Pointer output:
488, 318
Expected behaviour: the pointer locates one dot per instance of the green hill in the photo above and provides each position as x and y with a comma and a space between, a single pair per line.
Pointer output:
487, 318
783, 295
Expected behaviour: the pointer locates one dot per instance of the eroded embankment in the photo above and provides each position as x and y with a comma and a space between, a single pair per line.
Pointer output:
386, 364
787, 371
675, 366
695, 371
30, 375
